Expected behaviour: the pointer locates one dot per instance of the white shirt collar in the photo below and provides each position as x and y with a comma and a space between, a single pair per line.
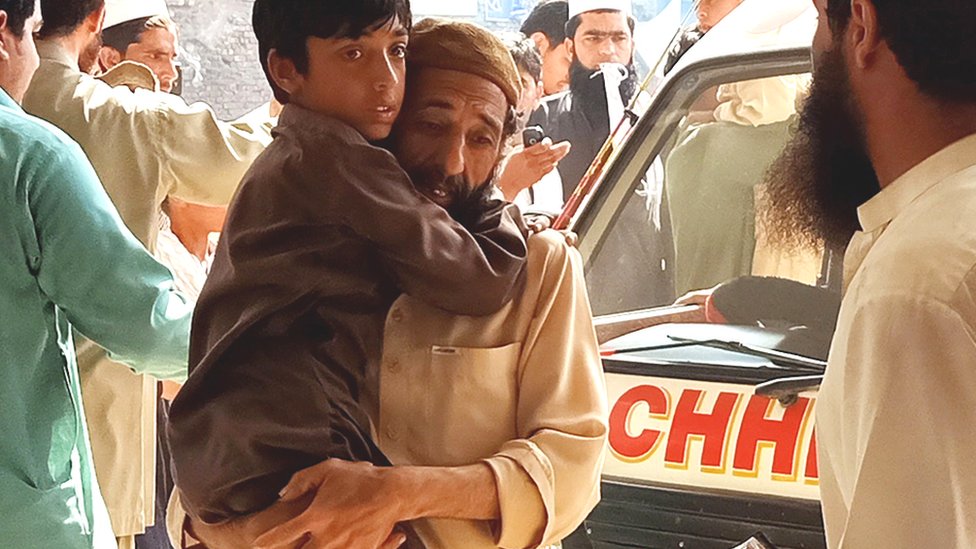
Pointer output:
896, 197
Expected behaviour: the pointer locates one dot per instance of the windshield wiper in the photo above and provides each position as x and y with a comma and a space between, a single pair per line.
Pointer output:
778, 358
787, 389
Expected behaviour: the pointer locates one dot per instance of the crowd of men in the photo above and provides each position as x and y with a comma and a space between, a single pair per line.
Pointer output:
382, 351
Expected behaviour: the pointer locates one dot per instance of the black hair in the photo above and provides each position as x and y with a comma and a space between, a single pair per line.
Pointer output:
549, 18
18, 12
286, 25
123, 35
511, 124
573, 24
932, 40
525, 54
62, 17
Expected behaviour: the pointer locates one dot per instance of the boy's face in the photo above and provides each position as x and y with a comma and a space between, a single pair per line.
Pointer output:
710, 12
359, 81
532, 94
555, 68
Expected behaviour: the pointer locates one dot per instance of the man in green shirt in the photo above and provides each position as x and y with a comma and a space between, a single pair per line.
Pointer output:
68, 262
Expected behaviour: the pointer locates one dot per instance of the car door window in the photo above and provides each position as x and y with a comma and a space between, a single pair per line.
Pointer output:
690, 221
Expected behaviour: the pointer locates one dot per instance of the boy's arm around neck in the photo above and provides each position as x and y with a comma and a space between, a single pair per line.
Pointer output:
433, 257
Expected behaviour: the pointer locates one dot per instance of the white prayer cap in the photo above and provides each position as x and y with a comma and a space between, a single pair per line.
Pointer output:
122, 11
577, 7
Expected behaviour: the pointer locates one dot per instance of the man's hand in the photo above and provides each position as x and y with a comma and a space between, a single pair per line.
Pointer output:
538, 223
525, 167
358, 506
697, 297
355, 506
704, 298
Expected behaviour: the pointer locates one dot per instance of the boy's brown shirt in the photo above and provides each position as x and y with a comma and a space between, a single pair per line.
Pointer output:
324, 234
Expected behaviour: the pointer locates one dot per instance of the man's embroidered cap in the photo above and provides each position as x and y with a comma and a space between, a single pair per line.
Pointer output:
465, 47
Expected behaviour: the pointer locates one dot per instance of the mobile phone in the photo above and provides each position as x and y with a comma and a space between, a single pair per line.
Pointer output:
532, 135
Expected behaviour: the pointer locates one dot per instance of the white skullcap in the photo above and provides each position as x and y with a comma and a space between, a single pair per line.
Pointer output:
577, 7
122, 11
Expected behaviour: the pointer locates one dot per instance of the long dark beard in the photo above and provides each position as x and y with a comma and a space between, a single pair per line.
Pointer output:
590, 90
464, 198
814, 188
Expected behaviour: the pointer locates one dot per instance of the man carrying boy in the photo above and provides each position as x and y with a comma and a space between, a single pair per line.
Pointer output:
496, 424
325, 233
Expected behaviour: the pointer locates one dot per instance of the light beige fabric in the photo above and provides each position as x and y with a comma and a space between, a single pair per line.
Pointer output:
175, 517
188, 271
259, 121
760, 102
120, 407
522, 390
897, 410
131, 74
144, 146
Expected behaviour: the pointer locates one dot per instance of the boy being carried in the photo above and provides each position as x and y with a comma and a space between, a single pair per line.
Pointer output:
325, 233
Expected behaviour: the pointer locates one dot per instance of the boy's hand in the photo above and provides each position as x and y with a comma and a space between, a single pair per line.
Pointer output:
525, 167
355, 506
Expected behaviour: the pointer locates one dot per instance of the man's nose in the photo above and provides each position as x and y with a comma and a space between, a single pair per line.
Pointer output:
452, 155
167, 75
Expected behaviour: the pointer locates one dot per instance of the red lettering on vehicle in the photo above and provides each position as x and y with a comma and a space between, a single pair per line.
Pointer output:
758, 431
813, 469
712, 428
621, 441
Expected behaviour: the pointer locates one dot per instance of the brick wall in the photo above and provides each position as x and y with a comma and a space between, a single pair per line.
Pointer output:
221, 61
220, 58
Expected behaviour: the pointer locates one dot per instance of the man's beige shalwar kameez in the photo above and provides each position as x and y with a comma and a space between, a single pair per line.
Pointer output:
521, 390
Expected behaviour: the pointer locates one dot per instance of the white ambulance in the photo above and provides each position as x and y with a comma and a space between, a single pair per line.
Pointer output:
698, 458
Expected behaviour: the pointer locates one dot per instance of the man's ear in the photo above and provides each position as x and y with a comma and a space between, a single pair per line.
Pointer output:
570, 48
540, 90
4, 33
864, 33
93, 23
541, 42
284, 73
108, 57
